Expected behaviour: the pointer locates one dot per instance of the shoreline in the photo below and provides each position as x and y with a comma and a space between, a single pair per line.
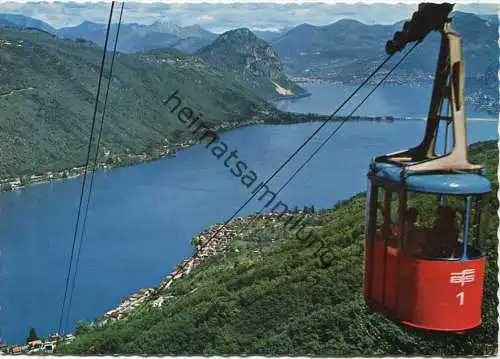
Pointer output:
12, 184
146, 298
476, 96
16, 183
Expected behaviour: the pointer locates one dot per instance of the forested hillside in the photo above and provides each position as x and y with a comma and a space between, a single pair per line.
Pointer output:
270, 295
47, 93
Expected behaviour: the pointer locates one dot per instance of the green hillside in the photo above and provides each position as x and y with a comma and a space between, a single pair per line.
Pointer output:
270, 295
47, 93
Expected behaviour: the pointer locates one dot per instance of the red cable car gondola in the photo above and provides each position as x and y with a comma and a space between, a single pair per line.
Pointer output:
430, 274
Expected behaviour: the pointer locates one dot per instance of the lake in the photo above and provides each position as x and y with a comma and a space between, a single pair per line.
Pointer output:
142, 218
390, 99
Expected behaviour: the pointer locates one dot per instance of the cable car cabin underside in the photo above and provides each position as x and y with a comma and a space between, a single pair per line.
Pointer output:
423, 265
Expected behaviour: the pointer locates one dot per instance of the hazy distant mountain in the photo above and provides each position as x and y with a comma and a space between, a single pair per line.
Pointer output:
191, 44
6, 23
251, 59
479, 43
493, 19
324, 50
87, 30
270, 35
137, 37
349, 47
15, 20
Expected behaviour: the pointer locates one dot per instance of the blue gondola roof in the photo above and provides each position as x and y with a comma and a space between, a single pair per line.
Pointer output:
446, 183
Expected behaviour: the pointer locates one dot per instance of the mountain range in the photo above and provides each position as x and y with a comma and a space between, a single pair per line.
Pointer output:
17, 20
133, 37
343, 51
221, 17
349, 47
137, 37
48, 83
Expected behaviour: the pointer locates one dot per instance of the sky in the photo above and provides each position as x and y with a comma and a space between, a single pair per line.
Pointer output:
218, 17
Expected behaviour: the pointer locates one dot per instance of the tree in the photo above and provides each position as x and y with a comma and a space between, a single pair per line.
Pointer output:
32, 335
81, 327
24, 180
5, 187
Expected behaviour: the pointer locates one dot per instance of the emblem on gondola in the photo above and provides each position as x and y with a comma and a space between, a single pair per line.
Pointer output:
465, 276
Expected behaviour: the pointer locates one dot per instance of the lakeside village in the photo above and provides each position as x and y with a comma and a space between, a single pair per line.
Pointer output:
115, 160
483, 97
111, 161
154, 298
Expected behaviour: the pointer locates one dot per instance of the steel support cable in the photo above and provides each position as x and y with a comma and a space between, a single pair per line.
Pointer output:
292, 155
91, 185
86, 168
341, 124
332, 134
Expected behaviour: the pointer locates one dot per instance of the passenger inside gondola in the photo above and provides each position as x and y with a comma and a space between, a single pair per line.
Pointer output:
445, 242
413, 236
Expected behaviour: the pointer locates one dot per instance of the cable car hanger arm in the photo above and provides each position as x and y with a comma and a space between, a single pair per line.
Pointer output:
429, 17
448, 84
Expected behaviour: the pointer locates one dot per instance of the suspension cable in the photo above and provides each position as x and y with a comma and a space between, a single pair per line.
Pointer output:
291, 157
86, 168
82, 236
330, 136
341, 124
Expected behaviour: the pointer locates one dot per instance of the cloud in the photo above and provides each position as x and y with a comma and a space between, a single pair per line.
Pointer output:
205, 18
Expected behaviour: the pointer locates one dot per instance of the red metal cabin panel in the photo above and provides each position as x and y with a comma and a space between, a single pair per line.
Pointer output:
447, 295
443, 295
377, 273
391, 276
